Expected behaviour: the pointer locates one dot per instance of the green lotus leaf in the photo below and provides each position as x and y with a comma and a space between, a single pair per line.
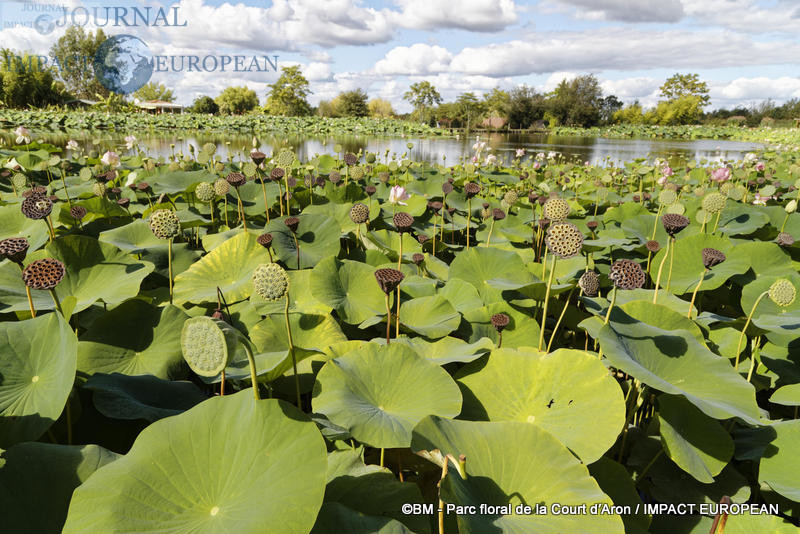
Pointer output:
378, 393
94, 272
229, 266
302, 299
230, 464
616, 482
779, 467
487, 268
522, 330
462, 295
448, 349
37, 371
349, 287
512, 463
317, 236
13, 223
432, 317
135, 338
765, 258
569, 393
687, 265
368, 496
179, 181
137, 238
145, 397
783, 320
37, 481
695, 442
675, 361
642, 227
740, 219
787, 395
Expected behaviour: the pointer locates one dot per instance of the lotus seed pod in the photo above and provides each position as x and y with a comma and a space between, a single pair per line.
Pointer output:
556, 209
236, 179
447, 188
500, 321
335, 177
165, 224
791, 207
782, 292
592, 225
402, 221
471, 189
676, 208
19, 181
357, 172
276, 174
14, 249
564, 239
370, 190
714, 203
653, 245
36, 207
43, 274
99, 189
205, 192
388, 279
291, 223
785, 239
210, 148
726, 188
258, 157
270, 281
703, 216
422, 238
359, 213
486, 213
418, 258
589, 282
627, 274
711, 257
78, 212
285, 158
498, 214
221, 187
35, 191
667, 197
674, 223
265, 240
124, 202
511, 197
208, 344
350, 159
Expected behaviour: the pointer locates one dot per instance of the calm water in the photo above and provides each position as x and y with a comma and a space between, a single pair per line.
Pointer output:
596, 150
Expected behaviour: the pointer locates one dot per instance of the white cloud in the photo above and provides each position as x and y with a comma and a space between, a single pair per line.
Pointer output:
626, 10
416, 59
747, 16
473, 15
760, 88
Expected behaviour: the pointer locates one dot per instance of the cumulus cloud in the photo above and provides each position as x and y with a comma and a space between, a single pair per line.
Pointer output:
416, 59
473, 15
627, 10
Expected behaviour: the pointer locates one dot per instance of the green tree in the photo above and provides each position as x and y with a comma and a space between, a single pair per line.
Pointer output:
24, 82
576, 102
469, 109
525, 106
380, 108
288, 95
682, 85
205, 104
422, 96
155, 91
632, 114
608, 107
353, 104
237, 100
327, 108
684, 110
74, 52
496, 102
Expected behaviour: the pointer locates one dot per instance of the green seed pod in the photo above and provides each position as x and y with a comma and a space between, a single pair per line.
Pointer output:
285, 158
205, 192
19, 180
270, 281
165, 224
208, 344
714, 203
667, 197
209, 148
782, 292
99, 189
510, 198
357, 172
556, 209
221, 187
359, 213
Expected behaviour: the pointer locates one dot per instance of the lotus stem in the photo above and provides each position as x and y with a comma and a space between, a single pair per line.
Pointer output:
240, 206
746, 324
716, 223
57, 302
631, 411
30, 302
50, 228
382, 453
649, 465
280, 197
491, 229
291, 352
64, 183
169, 267
211, 208
469, 216
755, 345
433, 250
297, 249
607, 317
785, 220
226, 212
222, 384
560, 317
546, 299
397, 316
660, 269
441, 502
671, 258
286, 177
400, 254
694, 293
253, 375
718, 526
388, 319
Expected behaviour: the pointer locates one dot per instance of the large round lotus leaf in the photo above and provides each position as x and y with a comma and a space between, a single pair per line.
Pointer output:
359, 495
687, 265
765, 258
37, 481
697, 443
432, 317
349, 287
740, 219
37, 369
179, 181
301, 298
513, 463
380, 392
229, 266
522, 330
448, 349
230, 464
675, 361
616, 482
145, 397
135, 338
310, 333
137, 238
569, 393
14, 223
768, 315
787, 395
462, 295
317, 236
481, 265
94, 271
779, 466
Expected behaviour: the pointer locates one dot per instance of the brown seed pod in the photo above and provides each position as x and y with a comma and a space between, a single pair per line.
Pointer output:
35, 191
350, 159
422, 238
335, 177
142, 186
447, 188
388, 279
674, 223
592, 225
291, 223
258, 157
36, 207
265, 240
14, 249
711, 257
627, 274
418, 258
43, 274
124, 202
564, 239
370, 190
276, 174
435, 206
471, 189
589, 282
500, 321
498, 214
78, 212
785, 239
236, 179
653, 245
402, 221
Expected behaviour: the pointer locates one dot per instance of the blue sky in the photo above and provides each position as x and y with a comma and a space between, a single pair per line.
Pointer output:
747, 50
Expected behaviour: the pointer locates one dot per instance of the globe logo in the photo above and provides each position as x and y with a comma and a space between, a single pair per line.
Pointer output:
44, 24
123, 64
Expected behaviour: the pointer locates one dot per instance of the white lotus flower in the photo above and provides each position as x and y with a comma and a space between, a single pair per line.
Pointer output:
131, 179
520, 152
130, 142
23, 135
397, 194
111, 159
72, 145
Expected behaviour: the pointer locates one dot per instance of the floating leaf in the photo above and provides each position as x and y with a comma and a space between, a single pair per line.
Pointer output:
349, 287
432, 317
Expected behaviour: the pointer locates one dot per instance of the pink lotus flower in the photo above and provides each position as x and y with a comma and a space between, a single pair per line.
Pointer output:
520, 152
662, 180
111, 159
491, 159
537, 165
398, 194
760, 166
666, 170
760, 200
474, 159
721, 174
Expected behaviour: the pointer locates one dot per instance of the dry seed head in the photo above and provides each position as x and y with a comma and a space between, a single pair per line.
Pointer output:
402, 221
472, 189
78, 212
674, 223
653, 245
782, 292
276, 174
43, 274
291, 223
265, 240
417, 258
258, 157
564, 239
711, 257
270, 281
236, 179
36, 207
498, 214
500, 321
14, 249
556, 209
589, 282
626, 274
785, 239
359, 213
388, 279
165, 224
350, 159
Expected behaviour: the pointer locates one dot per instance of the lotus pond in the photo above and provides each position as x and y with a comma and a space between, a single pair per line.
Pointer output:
269, 343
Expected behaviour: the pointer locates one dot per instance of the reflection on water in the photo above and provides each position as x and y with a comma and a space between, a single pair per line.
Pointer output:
596, 150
